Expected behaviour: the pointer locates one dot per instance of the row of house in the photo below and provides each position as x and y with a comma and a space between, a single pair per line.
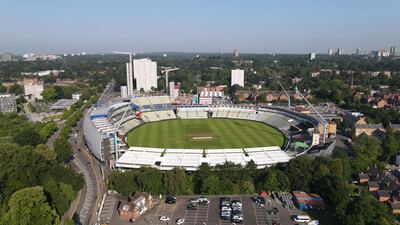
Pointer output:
384, 185
358, 124
270, 96
379, 101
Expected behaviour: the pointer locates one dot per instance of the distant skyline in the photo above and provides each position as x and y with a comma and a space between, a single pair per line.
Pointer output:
259, 26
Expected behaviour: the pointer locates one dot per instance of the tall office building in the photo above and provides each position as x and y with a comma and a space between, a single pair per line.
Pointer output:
393, 51
237, 77
124, 92
145, 74
359, 51
312, 55
330, 51
340, 51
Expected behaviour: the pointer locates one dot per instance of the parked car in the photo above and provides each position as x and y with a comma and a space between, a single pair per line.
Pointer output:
164, 218
170, 200
225, 215
226, 208
237, 219
180, 221
191, 206
224, 202
236, 203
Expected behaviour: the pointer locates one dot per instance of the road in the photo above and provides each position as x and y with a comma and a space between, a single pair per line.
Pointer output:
94, 184
91, 168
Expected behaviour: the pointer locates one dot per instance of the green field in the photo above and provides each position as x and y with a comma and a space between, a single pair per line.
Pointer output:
205, 133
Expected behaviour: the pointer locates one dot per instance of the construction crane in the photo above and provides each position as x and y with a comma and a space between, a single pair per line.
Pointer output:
125, 53
166, 70
315, 110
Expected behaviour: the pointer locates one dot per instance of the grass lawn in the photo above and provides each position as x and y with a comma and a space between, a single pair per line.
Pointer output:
205, 133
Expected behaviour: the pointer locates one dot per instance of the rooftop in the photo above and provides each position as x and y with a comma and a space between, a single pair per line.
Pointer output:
63, 103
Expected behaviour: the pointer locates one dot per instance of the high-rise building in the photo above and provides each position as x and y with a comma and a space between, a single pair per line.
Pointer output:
340, 51
237, 77
359, 51
6, 57
124, 92
235, 54
393, 51
145, 74
330, 51
312, 55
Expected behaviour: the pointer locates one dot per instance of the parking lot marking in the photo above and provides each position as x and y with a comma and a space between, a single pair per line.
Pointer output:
255, 212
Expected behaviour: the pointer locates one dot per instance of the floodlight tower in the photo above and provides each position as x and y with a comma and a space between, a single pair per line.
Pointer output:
116, 145
315, 110
285, 93
129, 72
275, 74
166, 70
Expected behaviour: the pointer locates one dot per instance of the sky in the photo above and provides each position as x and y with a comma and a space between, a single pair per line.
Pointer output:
252, 26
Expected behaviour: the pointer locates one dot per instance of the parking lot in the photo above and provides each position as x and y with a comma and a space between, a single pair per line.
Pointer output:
253, 214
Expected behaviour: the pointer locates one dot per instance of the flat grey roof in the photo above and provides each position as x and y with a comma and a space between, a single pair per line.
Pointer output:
63, 103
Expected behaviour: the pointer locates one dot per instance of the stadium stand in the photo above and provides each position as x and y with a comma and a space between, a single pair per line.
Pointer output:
192, 159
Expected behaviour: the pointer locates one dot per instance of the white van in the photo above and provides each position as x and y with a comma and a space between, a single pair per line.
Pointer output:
302, 218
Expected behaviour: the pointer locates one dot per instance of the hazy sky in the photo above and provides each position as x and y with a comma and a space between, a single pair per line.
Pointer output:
285, 26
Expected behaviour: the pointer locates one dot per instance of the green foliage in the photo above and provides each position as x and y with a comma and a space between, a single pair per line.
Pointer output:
367, 149
3, 89
366, 210
49, 93
29, 207
45, 152
47, 130
63, 149
22, 167
28, 137
16, 89
175, 181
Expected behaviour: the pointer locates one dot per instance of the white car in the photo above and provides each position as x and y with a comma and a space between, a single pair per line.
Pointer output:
226, 208
180, 221
164, 218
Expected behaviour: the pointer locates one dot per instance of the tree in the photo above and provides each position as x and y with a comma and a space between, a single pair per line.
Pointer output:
390, 145
16, 89
299, 173
366, 210
63, 149
49, 93
45, 152
27, 137
56, 196
3, 89
367, 150
175, 181
211, 185
29, 207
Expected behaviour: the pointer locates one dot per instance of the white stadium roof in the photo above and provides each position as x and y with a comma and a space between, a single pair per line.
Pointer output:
191, 159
